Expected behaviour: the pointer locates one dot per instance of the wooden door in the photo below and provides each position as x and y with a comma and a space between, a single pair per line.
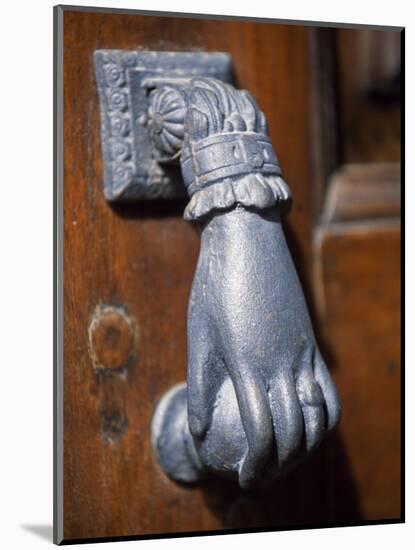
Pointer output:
127, 275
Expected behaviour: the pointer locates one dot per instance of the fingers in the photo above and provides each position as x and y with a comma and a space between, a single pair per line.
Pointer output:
332, 402
301, 410
287, 418
257, 423
204, 374
311, 400
291, 415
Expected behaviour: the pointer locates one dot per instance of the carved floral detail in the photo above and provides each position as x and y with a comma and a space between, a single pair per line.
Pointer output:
114, 75
120, 150
117, 100
129, 59
122, 172
120, 125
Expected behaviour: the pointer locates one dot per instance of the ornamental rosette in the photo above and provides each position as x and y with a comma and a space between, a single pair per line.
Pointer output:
166, 122
120, 125
120, 150
117, 100
114, 75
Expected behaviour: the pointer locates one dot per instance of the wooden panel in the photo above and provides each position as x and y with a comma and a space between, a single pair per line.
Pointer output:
369, 73
325, 142
364, 191
358, 275
140, 259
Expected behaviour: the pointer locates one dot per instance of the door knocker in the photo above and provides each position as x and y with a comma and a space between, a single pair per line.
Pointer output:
258, 396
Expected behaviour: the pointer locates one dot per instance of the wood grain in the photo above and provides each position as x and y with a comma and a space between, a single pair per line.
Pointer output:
362, 192
369, 94
358, 274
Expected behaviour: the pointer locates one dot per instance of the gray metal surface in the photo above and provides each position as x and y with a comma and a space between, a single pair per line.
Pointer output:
259, 396
132, 170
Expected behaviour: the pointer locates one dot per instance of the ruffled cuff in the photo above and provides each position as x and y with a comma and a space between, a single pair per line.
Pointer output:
253, 191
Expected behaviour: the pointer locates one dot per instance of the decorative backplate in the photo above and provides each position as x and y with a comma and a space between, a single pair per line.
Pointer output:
133, 169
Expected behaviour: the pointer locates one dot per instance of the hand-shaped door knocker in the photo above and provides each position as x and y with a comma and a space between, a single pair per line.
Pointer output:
258, 395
